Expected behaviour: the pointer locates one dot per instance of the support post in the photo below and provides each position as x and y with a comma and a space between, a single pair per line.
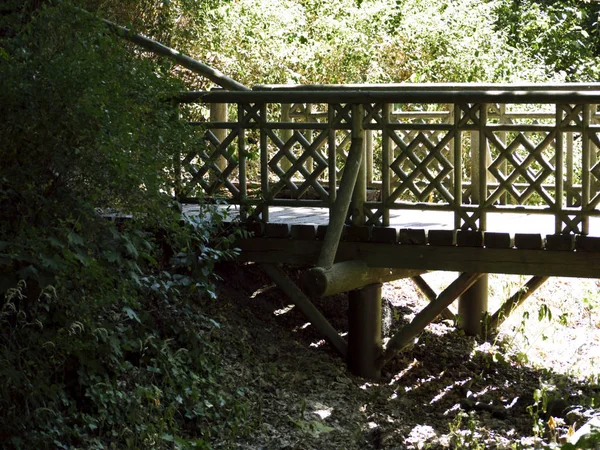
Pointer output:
369, 156
472, 306
218, 113
364, 337
337, 215
286, 134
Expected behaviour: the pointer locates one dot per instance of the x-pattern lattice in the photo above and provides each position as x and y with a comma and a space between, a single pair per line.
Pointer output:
469, 116
209, 175
298, 164
522, 169
421, 159
372, 115
573, 115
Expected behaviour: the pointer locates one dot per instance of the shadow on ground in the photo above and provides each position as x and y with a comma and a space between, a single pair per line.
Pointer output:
448, 391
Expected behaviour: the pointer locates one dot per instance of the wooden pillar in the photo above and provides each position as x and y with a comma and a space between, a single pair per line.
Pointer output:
364, 337
472, 306
218, 113
285, 134
369, 156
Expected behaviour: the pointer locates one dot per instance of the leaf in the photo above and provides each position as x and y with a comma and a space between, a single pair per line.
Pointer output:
74, 239
131, 314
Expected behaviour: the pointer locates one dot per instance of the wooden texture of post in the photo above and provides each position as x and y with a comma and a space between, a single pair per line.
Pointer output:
559, 171
242, 174
386, 148
264, 163
359, 196
586, 153
473, 304
339, 211
369, 156
331, 159
349, 275
218, 113
364, 331
285, 134
458, 163
308, 134
569, 176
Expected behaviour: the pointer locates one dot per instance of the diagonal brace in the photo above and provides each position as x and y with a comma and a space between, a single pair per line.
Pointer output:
515, 301
431, 296
337, 216
305, 305
405, 336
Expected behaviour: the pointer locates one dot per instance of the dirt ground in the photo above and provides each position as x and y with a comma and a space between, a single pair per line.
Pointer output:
514, 390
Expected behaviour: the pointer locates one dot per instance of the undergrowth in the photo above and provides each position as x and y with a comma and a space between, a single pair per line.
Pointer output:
102, 344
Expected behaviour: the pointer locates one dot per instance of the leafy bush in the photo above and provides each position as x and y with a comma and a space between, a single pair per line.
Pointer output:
101, 345
562, 34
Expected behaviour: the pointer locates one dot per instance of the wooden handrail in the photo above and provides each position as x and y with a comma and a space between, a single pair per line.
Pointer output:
395, 96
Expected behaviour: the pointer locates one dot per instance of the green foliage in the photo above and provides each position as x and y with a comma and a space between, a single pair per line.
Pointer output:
347, 41
563, 34
101, 344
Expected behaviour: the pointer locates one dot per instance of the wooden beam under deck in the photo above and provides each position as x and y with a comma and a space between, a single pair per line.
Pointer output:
583, 264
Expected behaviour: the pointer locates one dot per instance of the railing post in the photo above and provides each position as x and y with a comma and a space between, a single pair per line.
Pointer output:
218, 113
588, 156
242, 174
308, 134
359, 196
369, 156
285, 133
386, 157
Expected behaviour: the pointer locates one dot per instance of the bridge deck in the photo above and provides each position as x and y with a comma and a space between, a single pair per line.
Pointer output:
511, 223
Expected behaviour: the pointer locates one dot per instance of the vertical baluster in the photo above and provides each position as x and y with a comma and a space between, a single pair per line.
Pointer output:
386, 146
458, 162
586, 167
308, 134
332, 158
359, 196
218, 113
242, 163
558, 170
569, 178
369, 156
264, 163
503, 165
483, 162
285, 134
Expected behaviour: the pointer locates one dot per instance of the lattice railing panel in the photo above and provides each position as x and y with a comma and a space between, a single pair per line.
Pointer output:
297, 180
421, 167
204, 168
521, 168
468, 158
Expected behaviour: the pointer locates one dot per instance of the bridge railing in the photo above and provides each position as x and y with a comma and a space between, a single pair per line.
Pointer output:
468, 150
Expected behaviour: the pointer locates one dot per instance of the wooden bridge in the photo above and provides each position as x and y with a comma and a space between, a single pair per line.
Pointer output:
369, 183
